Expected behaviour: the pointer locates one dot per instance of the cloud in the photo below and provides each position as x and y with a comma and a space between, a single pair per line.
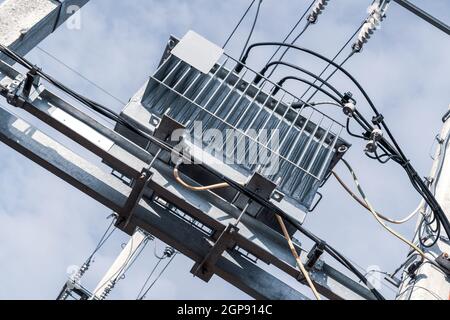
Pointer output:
47, 225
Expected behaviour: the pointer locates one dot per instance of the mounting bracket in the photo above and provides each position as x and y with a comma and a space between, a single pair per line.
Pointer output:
205, 269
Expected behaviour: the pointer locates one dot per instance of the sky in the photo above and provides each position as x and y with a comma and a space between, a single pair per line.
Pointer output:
47, 226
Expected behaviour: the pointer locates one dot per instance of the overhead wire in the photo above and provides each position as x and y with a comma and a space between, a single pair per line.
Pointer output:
238, 24
376, 215
139, 296
330, 76
292, 31
104, 238
335, 57
143, 296
287, 49
131, 257
252, 30
364, 204
394, 149
52, 56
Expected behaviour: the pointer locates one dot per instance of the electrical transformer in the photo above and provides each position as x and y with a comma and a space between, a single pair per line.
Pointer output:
237, 127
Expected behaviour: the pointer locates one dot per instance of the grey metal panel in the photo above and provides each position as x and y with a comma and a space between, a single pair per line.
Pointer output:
225, 101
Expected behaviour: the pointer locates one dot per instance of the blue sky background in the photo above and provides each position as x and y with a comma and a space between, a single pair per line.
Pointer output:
46, 225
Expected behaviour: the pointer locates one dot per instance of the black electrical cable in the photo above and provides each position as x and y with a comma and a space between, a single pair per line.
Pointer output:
415, 179
332, 74
347, 126
241, 189
434, 234
337, 55
279, 85
255, 21
238, 24
243, 60
379, 157
258, 78
287, 49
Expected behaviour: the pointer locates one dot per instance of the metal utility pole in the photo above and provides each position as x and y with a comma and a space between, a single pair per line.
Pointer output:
424, 15
422, 280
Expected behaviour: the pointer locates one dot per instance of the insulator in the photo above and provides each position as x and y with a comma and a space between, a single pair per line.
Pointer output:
107, 290
317, 10
373, 23
375, 136
169, 252
349, 108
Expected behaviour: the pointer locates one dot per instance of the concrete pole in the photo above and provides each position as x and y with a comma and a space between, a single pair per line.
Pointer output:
25, 23
428, 282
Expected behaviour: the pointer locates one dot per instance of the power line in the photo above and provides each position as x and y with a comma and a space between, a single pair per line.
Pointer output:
292, 30
335, 57
255, 21
158, 277
80, 75
287, 49
238, 24
139, 296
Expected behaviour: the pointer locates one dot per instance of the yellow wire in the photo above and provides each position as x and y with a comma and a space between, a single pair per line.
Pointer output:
297, 258
362, 203
176, 174
377, 217
280, 221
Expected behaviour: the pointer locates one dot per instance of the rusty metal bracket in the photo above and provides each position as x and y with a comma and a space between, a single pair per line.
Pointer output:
205, 269
136, 194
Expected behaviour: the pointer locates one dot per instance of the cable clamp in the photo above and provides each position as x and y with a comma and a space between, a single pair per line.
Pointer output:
13, 95
375, 136
429, 180
349, 109
405, 164
32, 79
349, 104
348, 97
377, 120
439, 139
